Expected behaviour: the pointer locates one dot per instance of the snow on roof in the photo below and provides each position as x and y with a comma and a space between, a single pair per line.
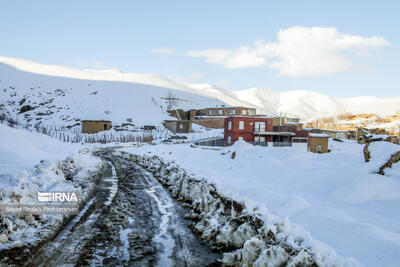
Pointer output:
336, 131
317, 135
95, 121
209, 117
310, 129
251, 116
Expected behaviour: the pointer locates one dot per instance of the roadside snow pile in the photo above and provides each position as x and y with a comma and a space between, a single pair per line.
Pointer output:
30, 163
338, 197
248, 236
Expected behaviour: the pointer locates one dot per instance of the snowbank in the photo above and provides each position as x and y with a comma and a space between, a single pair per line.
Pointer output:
31, 163
249, 236
337, 197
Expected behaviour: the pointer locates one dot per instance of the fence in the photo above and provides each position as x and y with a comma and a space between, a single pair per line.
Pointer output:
259, 143
74, 135
282, 144
210, 142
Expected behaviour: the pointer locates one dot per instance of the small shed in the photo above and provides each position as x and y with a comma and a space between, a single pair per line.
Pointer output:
318, 143
95, 126
178, 126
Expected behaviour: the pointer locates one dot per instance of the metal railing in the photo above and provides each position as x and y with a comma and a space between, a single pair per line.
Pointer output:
282, 144
210, 142
259, 143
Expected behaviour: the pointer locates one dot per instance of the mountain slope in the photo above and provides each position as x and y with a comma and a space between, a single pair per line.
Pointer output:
65, 95
65, 101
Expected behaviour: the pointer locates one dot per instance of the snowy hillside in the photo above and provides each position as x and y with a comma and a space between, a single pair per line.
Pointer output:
63, 101
61, 95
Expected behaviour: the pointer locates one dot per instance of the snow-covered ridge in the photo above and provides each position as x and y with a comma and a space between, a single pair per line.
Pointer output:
307, 105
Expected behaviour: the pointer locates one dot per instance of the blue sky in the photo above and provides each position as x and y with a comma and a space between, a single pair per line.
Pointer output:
339, 48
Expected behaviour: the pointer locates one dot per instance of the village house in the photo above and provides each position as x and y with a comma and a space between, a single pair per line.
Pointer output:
211, 117
222, 111
261, 130
215, 117
178, 126
318, 143
244, 128
94, 126
338, 134
288, 121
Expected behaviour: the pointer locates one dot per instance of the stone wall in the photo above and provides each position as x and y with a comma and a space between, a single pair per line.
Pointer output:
214, 123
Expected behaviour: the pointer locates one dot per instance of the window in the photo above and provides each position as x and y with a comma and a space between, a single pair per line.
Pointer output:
229, 125
229, 140
212, 112
259, 126
244, 112
262, 138
221, 112
105, 126
181, 126
241, 138
232, 111
241, 125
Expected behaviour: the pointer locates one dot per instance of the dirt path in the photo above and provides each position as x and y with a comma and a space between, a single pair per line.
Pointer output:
131, 221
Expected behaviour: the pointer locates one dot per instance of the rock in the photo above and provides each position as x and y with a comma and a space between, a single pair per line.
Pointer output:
3, 238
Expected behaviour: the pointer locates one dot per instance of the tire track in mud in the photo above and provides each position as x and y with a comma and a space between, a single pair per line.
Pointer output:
130, 221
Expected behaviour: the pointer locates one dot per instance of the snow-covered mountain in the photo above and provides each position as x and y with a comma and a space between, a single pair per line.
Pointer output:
66, 95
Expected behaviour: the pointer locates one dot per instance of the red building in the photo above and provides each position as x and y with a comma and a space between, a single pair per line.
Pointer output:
261, 130
243, 128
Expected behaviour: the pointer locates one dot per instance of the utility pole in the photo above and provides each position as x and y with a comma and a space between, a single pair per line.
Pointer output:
172, 101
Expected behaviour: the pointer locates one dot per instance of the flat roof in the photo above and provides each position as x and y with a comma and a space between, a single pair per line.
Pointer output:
232, 107
95, 121
222, 107
316, 135
274, 133
177, 121
250, 116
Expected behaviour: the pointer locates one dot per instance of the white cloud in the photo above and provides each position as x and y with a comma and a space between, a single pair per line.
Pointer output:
243, 57
298, 51
167, 51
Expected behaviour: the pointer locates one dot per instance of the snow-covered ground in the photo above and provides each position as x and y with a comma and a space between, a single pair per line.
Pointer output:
29, 163
337, 197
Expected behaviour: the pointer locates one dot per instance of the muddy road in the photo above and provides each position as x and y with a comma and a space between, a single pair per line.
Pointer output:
131, 220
